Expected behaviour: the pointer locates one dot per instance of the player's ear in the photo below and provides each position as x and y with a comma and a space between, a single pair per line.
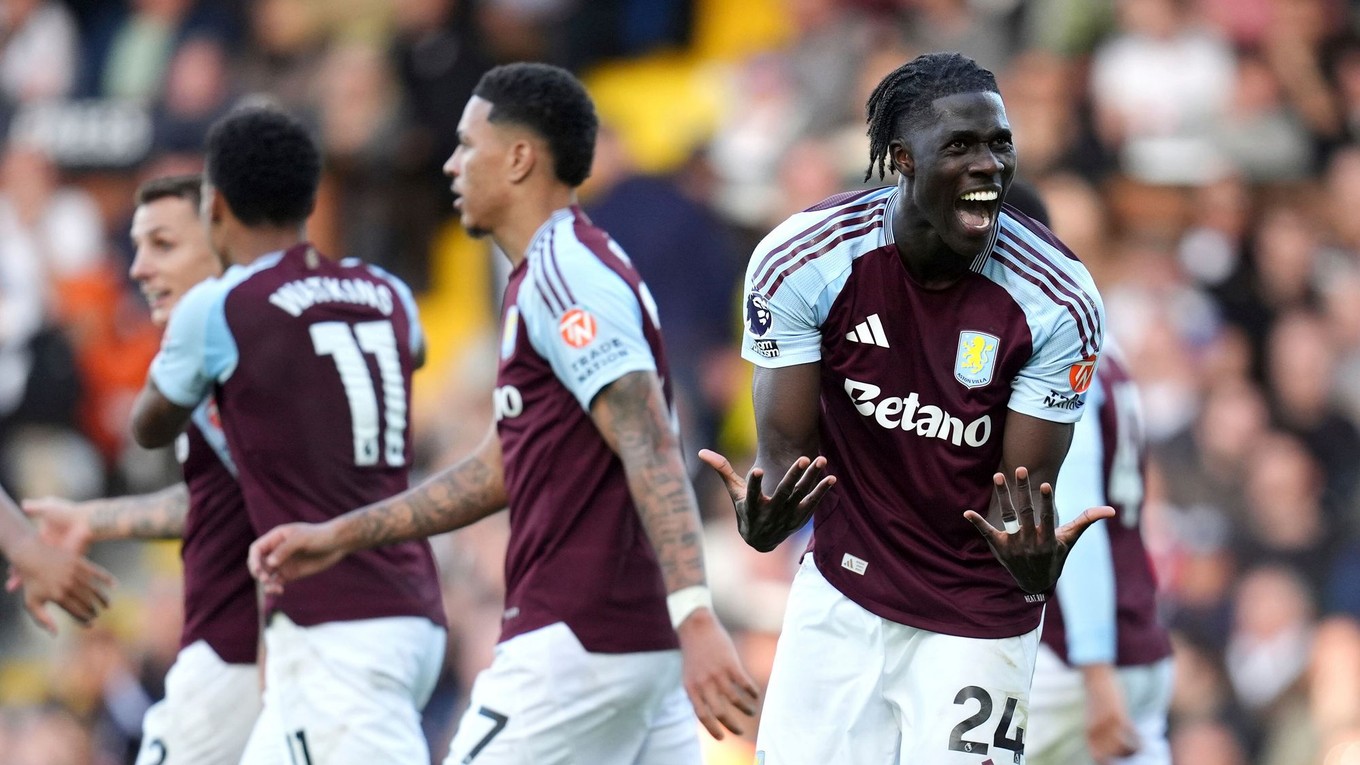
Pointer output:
216, 205
521, 158
901, 158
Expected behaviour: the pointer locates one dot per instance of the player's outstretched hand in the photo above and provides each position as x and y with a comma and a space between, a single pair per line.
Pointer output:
49, 574
1030, 547
765, 521
292, 551
723, 695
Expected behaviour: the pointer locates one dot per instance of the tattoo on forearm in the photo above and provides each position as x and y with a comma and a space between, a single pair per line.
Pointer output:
146, 516
461, 495
634, 419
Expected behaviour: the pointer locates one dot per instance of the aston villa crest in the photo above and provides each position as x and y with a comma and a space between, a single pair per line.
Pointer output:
976, 358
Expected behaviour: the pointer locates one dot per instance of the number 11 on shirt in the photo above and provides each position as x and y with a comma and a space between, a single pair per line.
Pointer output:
347, 348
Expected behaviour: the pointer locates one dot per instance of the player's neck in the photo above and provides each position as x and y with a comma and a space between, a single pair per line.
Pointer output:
524, 219
250, 244
927, 259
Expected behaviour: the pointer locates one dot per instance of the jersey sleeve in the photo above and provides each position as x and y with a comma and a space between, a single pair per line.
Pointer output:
591, 338
197, 349
1053, 383
1086, 589
781, 328
408, 301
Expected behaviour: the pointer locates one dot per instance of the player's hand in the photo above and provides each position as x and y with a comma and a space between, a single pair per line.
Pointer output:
292, 551
1030, 547
61, 523
49, 574
723, 695
765, 521
1110, 733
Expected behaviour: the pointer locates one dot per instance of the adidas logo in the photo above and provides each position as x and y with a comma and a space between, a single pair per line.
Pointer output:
869, 332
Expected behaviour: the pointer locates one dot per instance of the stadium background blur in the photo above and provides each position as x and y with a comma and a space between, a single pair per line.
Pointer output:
1200, 156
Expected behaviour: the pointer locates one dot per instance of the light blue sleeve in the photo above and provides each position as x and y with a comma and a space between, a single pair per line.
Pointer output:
197, 350
1086, 588
781, 329
408, 300
596, 338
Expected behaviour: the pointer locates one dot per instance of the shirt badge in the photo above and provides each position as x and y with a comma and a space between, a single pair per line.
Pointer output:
577, 328
1082, 373
976, 358
758, 316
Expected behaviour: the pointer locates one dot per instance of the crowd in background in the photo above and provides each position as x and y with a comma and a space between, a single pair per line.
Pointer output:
1201, 156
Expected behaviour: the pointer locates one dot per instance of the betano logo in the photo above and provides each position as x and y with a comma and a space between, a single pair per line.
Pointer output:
929, 421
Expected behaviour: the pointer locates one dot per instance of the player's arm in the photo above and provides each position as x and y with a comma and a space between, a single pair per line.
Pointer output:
632, 415
49, 574
788, 407
196, 351
1086, 591
156, 420
458, 496
74, 526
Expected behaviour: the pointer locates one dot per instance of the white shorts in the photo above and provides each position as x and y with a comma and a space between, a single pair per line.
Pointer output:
348, 693
546, 700
1057, 712
207, 714
848, 686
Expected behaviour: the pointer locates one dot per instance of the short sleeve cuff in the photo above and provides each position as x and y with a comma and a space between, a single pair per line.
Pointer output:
1044, 411
178, 394
586, 393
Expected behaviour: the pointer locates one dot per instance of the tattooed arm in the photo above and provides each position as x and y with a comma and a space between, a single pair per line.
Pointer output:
75, 526
632, 415
458, 496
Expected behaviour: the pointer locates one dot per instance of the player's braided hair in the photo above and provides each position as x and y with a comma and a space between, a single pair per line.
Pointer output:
905, 96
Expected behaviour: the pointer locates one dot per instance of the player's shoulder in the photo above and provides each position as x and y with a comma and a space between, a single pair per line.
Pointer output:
802, 229
212, 291
572, 261
828, 236
1039, 271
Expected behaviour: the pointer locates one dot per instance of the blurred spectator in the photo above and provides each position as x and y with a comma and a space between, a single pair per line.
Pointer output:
198, 90
38, 51
438, 59
986, 31
1159, 86
1207, 743
287, 50
1282, 521
1305, 403
1260, 136
1268, 653
49, 235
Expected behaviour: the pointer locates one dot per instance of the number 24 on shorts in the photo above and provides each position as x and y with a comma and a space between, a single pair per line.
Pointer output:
1001, 738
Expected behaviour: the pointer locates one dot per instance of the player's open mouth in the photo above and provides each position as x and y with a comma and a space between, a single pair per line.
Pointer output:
155, 298
977, 209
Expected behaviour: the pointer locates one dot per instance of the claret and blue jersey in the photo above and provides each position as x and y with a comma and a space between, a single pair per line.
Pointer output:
916, 384
576, 317
309, 361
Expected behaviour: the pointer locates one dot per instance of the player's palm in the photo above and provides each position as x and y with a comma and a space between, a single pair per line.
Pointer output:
52, 575
1030, 547
723, 694
292, 551
766, 520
